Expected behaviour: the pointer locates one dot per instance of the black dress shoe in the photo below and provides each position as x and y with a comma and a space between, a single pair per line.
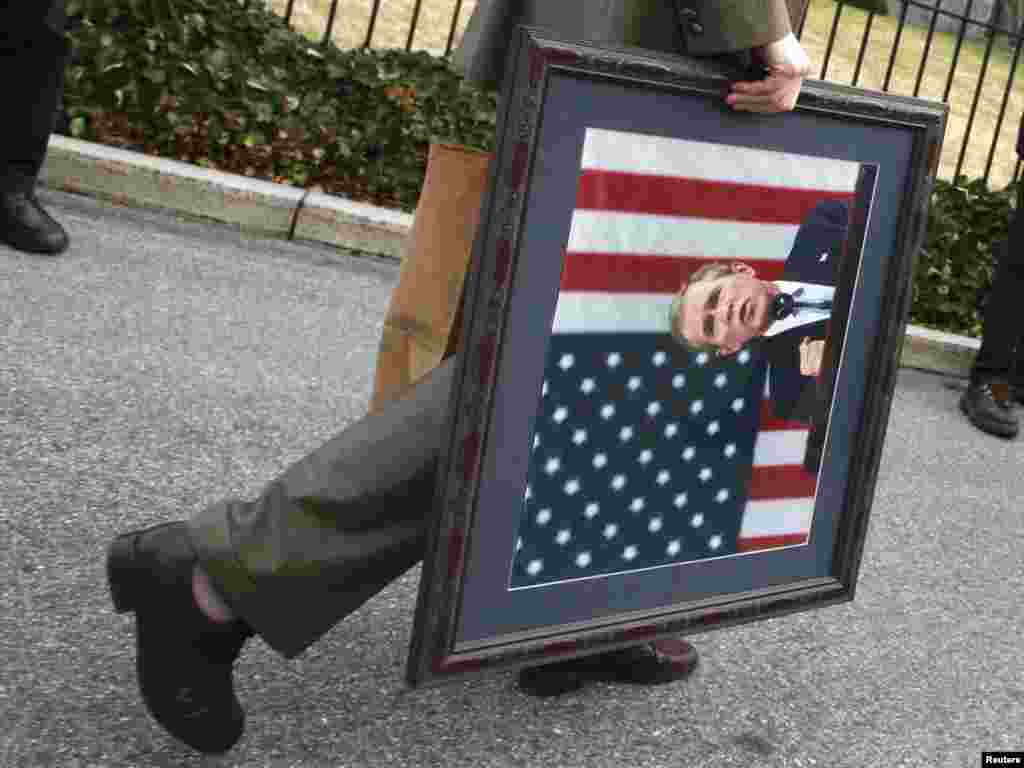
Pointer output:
24, 225
184, 660
987, 406
655, 663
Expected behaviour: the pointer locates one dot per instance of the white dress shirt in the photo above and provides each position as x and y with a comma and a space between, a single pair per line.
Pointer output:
805, 315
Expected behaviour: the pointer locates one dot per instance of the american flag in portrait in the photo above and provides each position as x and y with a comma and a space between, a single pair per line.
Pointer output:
645, 454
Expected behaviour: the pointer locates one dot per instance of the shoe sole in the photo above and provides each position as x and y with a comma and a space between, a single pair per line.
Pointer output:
122, 572
992, 428
30, 246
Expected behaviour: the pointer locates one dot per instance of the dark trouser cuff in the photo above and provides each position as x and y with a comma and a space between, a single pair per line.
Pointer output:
1000, 354
39, 56
211, 539
335, 528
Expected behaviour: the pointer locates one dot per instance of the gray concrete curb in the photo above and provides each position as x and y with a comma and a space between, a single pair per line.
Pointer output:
134, 179
938, 352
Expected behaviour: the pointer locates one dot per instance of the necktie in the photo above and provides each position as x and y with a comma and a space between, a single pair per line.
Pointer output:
786, 304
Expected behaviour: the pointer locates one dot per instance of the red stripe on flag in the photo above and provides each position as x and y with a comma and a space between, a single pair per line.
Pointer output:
698, 198
634, 273
769, 421
470, 453
781, 481
754, 543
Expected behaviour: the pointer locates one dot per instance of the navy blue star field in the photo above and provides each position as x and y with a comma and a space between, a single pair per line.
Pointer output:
642, 456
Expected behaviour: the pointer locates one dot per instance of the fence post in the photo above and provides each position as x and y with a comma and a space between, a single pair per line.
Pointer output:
797, 13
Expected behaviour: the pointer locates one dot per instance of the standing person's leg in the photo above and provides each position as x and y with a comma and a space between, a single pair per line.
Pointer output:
986, 402
1015, 245
36, 49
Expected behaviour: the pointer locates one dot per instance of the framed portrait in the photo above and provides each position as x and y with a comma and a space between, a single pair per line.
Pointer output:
681, 334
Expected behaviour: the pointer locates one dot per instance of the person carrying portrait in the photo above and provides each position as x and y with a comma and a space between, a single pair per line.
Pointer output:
340, 524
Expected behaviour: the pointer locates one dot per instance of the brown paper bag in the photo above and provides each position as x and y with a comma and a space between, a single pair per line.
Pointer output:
424, 303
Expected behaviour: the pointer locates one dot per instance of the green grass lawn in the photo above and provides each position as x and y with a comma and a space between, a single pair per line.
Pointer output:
842, 64
391, 29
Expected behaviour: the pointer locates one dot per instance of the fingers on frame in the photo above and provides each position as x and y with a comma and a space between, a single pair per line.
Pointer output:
763, 105
755, 87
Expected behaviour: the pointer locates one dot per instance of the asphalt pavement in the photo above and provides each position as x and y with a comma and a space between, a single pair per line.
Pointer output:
163, 364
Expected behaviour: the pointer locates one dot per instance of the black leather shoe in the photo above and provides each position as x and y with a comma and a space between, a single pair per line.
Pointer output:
987, 406
184, 660
24, 225
655, 663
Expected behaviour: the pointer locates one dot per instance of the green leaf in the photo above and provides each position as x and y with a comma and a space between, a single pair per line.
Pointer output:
78, 127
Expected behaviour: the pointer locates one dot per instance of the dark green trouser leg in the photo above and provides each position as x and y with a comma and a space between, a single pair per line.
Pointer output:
335, 528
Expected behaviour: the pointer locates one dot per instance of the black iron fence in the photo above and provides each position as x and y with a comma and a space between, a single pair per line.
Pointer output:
409, 15
964, 52
990, 25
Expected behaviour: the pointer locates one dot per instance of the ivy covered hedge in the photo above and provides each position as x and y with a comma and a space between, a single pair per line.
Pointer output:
224, 86
954, 269
230, 87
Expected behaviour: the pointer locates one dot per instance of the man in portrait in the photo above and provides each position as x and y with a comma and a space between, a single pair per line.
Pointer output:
723, 306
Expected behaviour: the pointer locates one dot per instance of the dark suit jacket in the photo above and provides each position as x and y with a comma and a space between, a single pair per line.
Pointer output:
696, 27
823, 231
